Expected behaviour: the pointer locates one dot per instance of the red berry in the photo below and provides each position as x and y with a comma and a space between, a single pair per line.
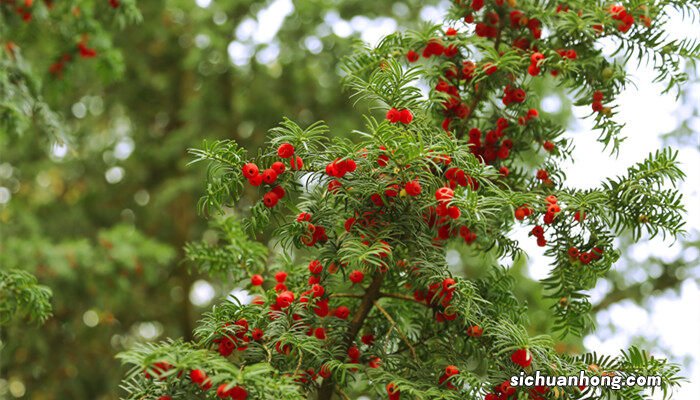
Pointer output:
250, 170
256, 180
281, 276
367, 339
317, 290
585, 258
549, 146
536, 57
405, 116
315, 267
356, 276
393, 391
284, 299
451, 370
270, 199
444, 194
198, 376
257, 334
269, 176
475, 331
280, 287
285, 150
413, 188
412, 56
304, 217
533, 70
296, 163
354, 352
393, 115
454, 212
256, 280
448, 284
573, 252
320, 333
598, 96
522, 357
342, 312
238, 393
278, 167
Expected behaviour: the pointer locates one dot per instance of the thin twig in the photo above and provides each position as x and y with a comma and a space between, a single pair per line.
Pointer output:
402, 297
393, 326
301, 358
341, 393
351, 295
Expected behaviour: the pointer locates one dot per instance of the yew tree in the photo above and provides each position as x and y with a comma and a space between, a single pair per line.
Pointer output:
355, 296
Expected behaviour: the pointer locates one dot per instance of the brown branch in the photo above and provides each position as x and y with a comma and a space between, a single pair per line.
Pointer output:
351, 295
402, 297
372, 293
394, 327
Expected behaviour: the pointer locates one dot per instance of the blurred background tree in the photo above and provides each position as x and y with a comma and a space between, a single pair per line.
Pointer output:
95, 197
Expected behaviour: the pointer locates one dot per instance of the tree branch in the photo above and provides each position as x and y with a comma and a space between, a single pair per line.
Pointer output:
325, 392
394, 327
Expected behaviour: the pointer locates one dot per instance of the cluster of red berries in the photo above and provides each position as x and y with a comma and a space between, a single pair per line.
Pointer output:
200, 378
439, 296
543, 176
23, 9
493, 147
523, 212
454, 107
314, 233
538, 232
501, 392
552, 209
531, 114
450, 371
457, 177
269, 176
490, 25
511, 95
475, 331
234, 393
56, 68
585, 257
597, 104
395, 116
625, 19
536, 60
236, 337
159, 369
84, 50
439, 217
392, 390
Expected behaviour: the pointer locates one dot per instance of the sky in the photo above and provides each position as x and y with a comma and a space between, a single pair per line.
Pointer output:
675, 318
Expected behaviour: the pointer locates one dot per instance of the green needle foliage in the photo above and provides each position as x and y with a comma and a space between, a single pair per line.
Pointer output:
22, 296
363, 301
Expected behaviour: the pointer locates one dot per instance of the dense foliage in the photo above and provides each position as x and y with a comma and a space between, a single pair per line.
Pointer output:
362, 299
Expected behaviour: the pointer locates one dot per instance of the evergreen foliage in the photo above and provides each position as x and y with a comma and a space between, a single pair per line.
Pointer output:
442, 166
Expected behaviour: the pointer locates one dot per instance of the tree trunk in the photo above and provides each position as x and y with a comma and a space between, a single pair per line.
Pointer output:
325, 392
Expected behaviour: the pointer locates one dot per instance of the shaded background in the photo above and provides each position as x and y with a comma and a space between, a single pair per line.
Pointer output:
100, 215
